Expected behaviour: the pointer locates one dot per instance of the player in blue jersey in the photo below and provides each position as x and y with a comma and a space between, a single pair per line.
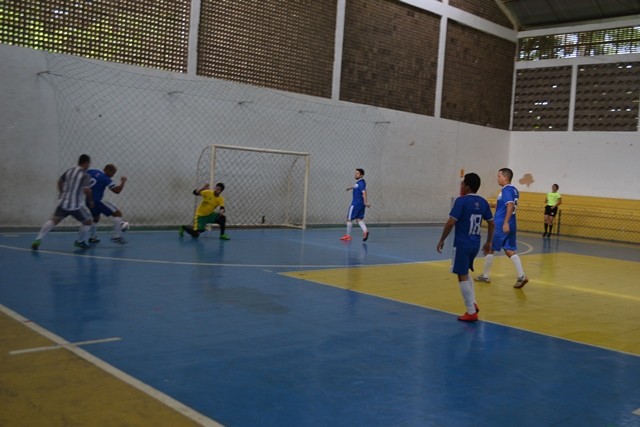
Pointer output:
358, 205
505, 235
100, 181
75, 193
466, 215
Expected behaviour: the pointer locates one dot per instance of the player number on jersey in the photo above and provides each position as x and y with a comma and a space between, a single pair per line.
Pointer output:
474, 224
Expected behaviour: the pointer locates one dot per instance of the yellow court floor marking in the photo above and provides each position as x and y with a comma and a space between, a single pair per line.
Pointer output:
59, 388
587, 299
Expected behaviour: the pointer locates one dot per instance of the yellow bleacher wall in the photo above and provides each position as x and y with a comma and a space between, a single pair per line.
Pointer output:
582, 216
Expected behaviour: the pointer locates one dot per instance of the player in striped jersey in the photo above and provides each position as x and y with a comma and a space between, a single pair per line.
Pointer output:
74, 187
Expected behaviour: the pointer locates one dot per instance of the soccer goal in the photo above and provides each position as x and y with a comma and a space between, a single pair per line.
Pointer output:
263, 187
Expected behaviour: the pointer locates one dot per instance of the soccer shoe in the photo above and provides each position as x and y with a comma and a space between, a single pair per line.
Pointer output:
521, 282
94, 240
181, 231
81, 245
483, 279
345, 237
35, 245
119, 240
224, 237
365, 236
466, 317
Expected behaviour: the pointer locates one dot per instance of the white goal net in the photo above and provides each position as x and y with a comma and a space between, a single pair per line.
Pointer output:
263, 187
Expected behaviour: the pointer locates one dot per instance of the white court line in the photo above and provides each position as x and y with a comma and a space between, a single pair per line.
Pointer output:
222, 264
58, 346
122, 376
211, 264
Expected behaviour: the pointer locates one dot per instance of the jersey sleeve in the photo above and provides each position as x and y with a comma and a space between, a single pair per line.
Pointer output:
508, 194
456, 210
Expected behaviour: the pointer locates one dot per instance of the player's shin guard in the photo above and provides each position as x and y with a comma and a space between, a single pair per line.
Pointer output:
516, 261
46, 228
117, 222
488, 262
363, 226
466, 288
349, 226
83, 233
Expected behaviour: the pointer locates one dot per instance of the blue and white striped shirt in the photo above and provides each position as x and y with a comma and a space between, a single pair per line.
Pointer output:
74, 181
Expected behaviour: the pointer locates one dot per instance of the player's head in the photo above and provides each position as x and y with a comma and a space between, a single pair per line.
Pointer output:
219, 188
505, 175
555, 188
472, 180
359, 173
110, 170
84, 161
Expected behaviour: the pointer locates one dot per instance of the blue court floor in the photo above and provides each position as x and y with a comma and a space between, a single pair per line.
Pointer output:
256, 332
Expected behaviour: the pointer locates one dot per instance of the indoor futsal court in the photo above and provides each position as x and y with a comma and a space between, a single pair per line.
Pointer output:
283, 327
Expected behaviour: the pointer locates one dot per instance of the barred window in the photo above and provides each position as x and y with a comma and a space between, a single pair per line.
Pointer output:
614, 41
151, 33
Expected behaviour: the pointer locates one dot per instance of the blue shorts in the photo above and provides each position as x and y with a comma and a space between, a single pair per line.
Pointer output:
463, 259
504, 241
356, 212
104, 208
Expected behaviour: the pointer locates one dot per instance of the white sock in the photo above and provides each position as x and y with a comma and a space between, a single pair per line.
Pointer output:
83, 233
363, 226
46, 228
516, 261
117, 221
488, 262
466, 288
94, 227
349, 225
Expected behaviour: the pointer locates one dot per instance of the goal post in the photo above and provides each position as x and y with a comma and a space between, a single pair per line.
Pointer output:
263, 187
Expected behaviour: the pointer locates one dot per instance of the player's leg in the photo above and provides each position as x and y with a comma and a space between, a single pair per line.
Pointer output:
221, 220
496, 246
93, 232
58, 216
116, 217
552, 217
363, 226
462, 261
83, 215
350, 219
510, 248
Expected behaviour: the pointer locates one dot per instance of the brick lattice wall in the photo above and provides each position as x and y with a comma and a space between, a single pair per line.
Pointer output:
542, 99
286, 45
390, 56
478, 77
607, 97
487, 9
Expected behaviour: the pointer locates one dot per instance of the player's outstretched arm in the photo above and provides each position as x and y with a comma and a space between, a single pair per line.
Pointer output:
118, 188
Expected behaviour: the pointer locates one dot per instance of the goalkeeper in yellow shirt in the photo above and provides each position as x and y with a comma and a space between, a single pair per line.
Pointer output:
206, 212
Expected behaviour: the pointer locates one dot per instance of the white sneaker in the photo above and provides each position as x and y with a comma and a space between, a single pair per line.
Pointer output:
483, 279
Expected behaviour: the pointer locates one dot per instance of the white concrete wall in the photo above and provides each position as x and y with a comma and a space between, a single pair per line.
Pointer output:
29, 142
413, 169
601, 164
